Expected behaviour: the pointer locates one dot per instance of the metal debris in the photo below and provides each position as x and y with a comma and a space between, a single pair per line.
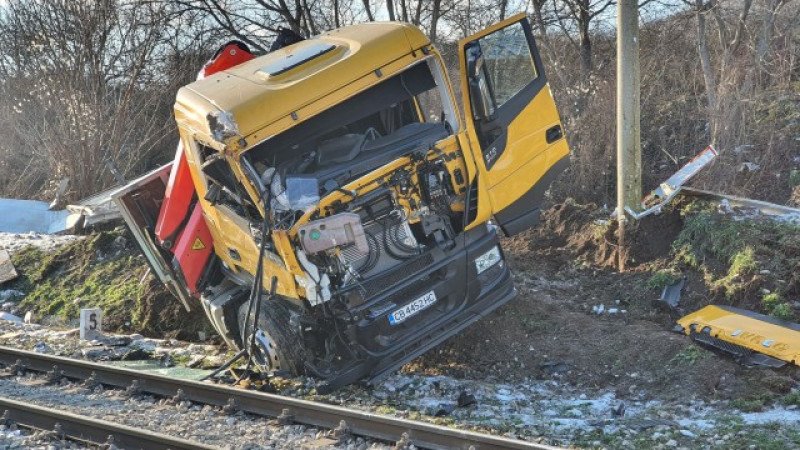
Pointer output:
444, 409
754, 339
31, 216
745, 208
671, 295
466, 399
655, 201
25, 216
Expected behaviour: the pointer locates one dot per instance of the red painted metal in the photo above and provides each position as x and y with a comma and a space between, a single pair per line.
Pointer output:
173, 231
177, 200
193, 248
231, 54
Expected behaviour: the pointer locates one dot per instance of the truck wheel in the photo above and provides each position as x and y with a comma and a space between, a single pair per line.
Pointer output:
279, 345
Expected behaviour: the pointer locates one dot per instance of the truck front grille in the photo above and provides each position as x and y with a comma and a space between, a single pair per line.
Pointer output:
382, 282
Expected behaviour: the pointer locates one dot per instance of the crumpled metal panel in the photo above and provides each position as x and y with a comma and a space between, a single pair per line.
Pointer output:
758, 332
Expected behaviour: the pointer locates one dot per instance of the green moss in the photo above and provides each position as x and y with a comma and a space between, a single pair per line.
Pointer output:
83, 274
783, 311
661, 279
742, 263
792, 398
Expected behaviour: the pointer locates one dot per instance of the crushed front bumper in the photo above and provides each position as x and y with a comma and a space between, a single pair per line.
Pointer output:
463, 296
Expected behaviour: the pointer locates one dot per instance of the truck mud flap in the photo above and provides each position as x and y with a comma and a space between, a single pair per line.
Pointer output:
754, 339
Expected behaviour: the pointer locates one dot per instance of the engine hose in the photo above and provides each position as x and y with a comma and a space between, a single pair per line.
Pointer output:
373, 256
388, 245
395, 227
399, 242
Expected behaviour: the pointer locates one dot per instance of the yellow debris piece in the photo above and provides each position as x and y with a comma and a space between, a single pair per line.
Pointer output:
758, 332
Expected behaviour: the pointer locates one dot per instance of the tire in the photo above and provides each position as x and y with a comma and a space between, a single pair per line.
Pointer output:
279, 344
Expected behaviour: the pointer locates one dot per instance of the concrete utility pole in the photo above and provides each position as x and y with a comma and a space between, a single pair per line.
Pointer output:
629, 144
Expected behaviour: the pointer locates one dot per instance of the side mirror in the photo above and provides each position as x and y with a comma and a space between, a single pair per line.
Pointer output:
477, 82
474, 60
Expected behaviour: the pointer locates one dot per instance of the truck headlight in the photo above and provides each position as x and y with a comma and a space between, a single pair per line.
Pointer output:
488, 259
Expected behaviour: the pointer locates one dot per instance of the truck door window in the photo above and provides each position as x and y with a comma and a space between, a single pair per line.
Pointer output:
508, 63
499, 67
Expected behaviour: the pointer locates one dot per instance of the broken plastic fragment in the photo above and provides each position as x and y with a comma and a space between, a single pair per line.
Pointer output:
671, 295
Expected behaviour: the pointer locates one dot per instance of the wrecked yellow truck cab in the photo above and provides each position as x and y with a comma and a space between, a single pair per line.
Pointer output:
345, 161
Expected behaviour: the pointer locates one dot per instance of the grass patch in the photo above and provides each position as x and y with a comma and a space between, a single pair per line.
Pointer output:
104, 271
783, 311
738, 258
792, 398
748, 405
688, 355
751, 403
661, 279
771, 300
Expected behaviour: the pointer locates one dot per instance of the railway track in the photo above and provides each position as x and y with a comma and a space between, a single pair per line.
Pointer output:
65, 425
286, 410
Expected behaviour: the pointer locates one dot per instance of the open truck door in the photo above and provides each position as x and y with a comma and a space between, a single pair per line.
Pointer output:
512, 123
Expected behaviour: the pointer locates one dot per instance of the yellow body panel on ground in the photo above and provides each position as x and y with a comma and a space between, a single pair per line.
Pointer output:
757, 332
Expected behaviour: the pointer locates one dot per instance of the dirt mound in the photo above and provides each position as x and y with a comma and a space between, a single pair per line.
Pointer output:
589, 234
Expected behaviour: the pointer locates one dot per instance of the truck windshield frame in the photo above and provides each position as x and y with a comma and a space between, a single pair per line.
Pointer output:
367, 129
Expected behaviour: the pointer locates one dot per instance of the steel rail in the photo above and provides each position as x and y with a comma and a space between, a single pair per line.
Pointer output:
361, 423
89, 429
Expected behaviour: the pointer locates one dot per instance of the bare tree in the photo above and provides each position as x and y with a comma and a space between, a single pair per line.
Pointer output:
580, 14
729, 44
83, 89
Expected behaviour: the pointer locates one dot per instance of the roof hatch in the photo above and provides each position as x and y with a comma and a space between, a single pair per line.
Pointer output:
297, 58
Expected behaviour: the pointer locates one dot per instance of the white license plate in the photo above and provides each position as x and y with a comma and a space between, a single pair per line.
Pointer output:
412, 308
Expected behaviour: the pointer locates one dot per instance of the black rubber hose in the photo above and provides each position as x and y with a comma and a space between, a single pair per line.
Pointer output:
374, 254
388, 244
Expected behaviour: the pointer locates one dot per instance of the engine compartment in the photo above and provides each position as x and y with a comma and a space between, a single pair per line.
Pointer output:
367, 185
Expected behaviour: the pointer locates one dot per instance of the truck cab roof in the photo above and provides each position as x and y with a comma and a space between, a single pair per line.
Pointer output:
274, 86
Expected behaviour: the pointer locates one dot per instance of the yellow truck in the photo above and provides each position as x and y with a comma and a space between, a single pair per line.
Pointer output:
352, 210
